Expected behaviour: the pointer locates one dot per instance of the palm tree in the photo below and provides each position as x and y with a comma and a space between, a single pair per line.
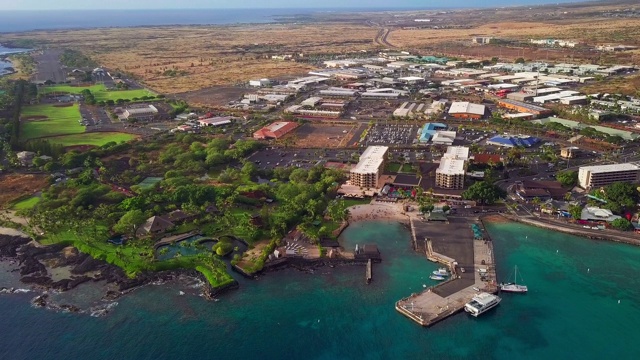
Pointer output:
568, 196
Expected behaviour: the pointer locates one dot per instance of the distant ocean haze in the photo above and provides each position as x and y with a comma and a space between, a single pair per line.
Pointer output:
16, 21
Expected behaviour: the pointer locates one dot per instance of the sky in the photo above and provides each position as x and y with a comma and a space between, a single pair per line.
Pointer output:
212, 4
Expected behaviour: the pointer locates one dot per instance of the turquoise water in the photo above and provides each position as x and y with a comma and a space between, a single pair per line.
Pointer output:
332, 314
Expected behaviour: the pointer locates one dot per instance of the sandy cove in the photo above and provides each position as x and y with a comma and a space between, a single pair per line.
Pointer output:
381, 211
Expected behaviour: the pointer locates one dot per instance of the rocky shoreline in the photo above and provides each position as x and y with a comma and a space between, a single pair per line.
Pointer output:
30, 258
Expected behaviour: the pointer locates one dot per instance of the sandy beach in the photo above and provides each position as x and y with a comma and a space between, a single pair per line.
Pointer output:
380, 211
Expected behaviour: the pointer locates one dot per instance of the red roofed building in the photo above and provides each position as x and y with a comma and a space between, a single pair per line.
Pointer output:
275, 131
487, 158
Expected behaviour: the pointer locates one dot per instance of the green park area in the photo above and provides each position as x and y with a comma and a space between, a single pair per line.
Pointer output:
26, 204
99, 91
87, 211
50, 120
93, 138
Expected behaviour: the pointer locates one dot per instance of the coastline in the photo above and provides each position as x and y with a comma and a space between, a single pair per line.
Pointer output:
35, 267
556, 227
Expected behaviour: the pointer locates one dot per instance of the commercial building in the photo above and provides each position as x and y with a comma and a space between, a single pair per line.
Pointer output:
569, 152
215, 121
429, 130
450, 173
513, 141
275, 130
260, 83
444, 138
523, 107
481, 40
602, 175
366, 173
467, 110
141, 113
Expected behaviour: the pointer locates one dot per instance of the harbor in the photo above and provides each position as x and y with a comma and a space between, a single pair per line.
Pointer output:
466, 250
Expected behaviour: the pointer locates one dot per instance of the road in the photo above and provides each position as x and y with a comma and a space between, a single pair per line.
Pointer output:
381, 38
49, 66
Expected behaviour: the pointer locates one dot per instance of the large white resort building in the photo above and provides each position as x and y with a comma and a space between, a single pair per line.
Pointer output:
369, 168
602, 175
450, 173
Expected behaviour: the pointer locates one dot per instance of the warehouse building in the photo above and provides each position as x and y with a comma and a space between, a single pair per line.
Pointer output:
275, 130
467, 110
602, 175
524, 107
574, 100
259, 83
366, 173
141, 113
520, 96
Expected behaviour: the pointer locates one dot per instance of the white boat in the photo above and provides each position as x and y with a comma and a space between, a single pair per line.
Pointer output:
437, 277
441, 272
514, 287
481, 303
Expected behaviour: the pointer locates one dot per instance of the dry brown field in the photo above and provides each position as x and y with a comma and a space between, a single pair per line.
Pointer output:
15, 186
628, 85
214, 96
205, 56
179, 59
322, 135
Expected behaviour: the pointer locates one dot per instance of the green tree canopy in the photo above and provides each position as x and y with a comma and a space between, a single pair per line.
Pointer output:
483, 192
568, 178
622, 224
130, 222
620, 196
575, 211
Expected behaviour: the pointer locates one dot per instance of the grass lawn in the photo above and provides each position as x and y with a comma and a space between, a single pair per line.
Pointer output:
407, 168
26, 204
354, 202
394, 167
94, 138
58, 121
99, 91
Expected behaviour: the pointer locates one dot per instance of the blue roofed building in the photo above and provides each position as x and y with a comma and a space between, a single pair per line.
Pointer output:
513, 141
429, 130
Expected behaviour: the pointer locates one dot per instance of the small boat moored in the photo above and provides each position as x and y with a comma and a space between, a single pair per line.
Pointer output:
514, 287
437, 277
441, 272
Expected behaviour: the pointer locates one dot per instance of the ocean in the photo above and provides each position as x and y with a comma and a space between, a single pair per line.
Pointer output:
582, 304
16, 21
6, 64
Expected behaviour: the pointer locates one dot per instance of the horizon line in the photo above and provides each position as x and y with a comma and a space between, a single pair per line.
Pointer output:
306, 7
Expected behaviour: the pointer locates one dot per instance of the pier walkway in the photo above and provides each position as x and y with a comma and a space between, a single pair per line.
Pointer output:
438, 302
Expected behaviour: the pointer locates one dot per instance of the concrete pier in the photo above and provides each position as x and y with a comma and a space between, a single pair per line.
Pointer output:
445, 299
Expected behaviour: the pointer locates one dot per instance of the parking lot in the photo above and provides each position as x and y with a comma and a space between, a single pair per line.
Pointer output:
271, 158
396, 134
